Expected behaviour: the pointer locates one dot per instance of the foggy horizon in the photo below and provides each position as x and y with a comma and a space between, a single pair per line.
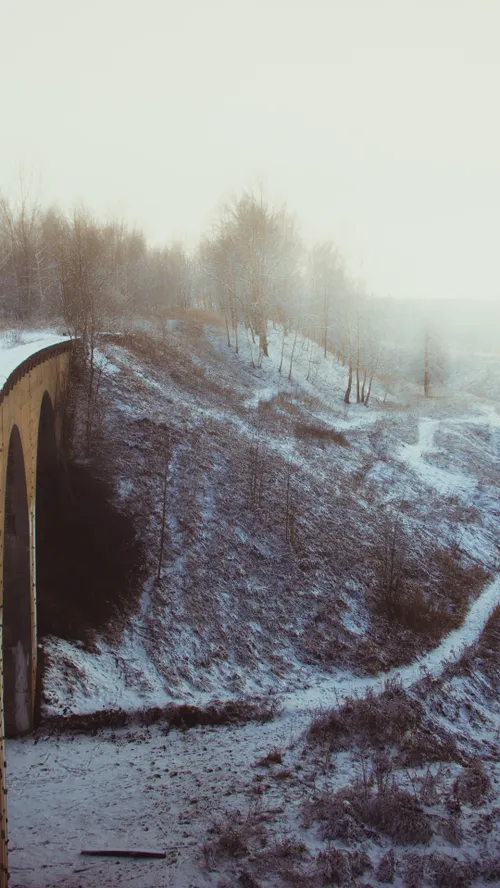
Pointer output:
374, 122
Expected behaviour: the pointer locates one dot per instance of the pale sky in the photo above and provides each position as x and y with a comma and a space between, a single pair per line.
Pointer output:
376, 120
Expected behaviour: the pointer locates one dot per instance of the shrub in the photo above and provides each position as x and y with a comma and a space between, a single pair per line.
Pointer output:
472, 785
392, 811
273, 757
320, 432
387, 867
336, 867
448, 872
389, 718
375, 719
233, 836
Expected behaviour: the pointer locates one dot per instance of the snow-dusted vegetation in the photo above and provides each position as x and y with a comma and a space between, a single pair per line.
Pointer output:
328, 568
268, 586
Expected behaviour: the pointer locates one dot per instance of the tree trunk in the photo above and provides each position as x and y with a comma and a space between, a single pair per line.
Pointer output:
325, 339
227, 328
426, 365
347, 395
363, 387
291, 356
263, 338
282, 351
163, 517
369, 390
357, 369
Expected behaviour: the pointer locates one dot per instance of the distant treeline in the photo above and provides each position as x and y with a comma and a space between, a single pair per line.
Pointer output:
252, 268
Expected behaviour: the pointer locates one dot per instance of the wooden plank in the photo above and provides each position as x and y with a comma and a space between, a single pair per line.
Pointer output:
124, 853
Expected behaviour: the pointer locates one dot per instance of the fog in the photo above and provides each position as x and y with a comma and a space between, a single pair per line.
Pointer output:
375, 120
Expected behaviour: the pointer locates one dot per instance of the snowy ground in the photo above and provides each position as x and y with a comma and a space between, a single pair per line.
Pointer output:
230, 577
238, 612
148, 788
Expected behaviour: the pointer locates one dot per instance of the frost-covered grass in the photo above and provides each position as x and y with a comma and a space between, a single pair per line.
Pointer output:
401, 779
247, 604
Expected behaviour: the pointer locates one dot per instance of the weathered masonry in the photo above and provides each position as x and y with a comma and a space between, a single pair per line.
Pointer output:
31, 414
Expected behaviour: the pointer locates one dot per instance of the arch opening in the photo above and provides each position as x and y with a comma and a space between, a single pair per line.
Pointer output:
17, 622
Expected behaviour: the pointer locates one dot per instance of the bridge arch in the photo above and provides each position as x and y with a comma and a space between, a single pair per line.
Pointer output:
17, 641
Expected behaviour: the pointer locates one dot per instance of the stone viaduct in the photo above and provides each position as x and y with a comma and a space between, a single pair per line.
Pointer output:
31, 413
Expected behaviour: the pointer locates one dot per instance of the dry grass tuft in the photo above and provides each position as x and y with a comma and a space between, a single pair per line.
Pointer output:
273, 757
318, 432
387, 867
472, 786
233, 836
391, 718
183, 716
391, 811
336, 867
375, 719
447, 872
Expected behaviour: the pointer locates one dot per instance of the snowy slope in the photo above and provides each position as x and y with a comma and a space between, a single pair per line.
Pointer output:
238, 610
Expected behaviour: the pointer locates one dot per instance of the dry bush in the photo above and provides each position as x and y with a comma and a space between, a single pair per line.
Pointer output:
339, 820
387, 867
246, 880
392, 811
422, 615
447, 872
172, 351
391, 718
233, 836
318, 432
375, 719
273, 757
451, 830
429, 606
457, 583
231, 841
426, 745
489, 869
484, 654
285, 402
429, 788
398, 814
285, 856
288, 848
183, 716
414, 869
472, 786
336, 867
205, 317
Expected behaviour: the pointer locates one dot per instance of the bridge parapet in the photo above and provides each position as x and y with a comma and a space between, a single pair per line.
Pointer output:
31, 400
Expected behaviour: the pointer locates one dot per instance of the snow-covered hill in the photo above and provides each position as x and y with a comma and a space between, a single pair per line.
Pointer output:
383, 760
239, 608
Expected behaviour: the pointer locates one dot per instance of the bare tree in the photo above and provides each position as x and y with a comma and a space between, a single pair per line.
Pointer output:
426, 364
253, 257
20, 255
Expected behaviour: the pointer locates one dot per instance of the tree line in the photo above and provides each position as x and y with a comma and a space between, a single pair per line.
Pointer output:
252, 268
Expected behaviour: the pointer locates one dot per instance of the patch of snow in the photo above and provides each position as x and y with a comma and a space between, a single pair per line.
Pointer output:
11, 357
